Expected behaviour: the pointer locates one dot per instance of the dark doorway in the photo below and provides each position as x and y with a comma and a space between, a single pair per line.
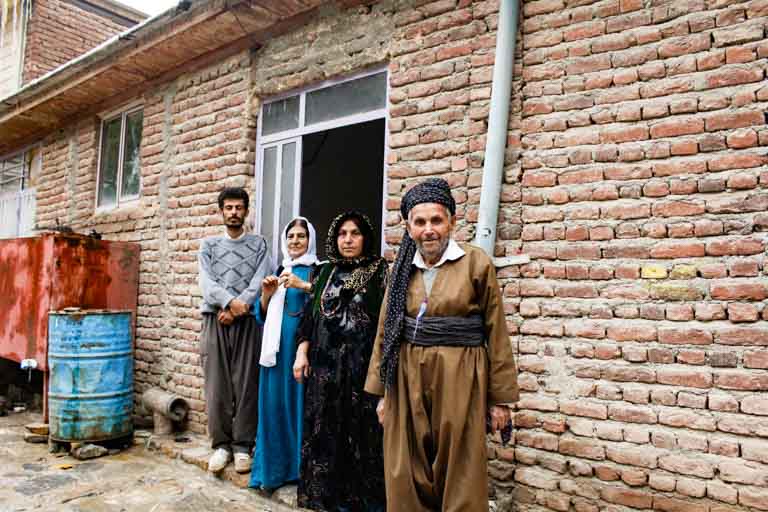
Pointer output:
343, 169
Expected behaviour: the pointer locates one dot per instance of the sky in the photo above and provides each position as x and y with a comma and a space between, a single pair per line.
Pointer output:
150, 7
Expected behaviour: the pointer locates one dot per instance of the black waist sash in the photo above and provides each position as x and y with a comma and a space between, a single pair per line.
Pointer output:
449, 331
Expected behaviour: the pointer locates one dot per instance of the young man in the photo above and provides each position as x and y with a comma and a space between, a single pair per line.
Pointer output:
442, 359
232, 267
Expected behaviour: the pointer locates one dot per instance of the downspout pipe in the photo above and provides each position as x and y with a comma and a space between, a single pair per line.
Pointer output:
498, 119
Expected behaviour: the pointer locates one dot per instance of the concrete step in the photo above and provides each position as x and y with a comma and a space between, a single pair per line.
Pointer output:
195, 449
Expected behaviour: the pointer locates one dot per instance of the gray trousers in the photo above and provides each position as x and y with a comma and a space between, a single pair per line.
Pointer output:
230, 357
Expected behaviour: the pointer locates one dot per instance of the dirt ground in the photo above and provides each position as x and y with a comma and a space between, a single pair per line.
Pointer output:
136, 479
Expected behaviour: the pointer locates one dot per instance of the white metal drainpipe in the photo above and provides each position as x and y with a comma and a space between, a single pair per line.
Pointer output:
498, 119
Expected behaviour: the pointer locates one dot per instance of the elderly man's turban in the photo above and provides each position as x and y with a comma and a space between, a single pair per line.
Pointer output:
433, 190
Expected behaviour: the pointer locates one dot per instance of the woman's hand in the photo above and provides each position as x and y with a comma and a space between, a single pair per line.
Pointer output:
269, 286
301, 364
291, 280
380, 410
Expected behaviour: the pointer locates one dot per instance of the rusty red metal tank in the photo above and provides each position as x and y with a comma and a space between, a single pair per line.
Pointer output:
54, 271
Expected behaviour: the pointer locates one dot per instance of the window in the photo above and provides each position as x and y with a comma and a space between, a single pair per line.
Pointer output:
119, 161
14, 173
321, 151
18, 174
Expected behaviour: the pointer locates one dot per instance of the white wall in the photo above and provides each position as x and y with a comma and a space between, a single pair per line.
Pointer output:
12, 28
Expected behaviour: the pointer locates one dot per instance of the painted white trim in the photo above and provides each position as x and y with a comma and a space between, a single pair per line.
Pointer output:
302, 109
120, 158
278, 195
258, 179
278, 191
384, 193
297, 175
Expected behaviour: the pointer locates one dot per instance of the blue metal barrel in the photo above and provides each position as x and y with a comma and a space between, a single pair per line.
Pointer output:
90, 390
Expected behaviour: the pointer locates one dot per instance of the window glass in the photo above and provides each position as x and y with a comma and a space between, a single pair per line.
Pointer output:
131, 159
110, 154
12, 174
280, 115
287, 183
10, 186
347, 98
269, 179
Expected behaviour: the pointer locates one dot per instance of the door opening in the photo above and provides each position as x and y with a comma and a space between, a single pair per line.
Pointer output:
342, 170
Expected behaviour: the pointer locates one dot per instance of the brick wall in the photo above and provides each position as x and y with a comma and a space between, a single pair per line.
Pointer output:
59, 31
441, 68
643, 342
197, 137
635, 179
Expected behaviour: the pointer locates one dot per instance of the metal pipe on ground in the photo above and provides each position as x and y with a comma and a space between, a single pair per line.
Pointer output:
166, 408
498, 118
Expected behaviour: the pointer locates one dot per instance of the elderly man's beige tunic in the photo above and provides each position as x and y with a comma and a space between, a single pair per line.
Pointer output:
434, 427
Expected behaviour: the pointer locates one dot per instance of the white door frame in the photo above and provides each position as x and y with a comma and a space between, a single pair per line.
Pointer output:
295, 135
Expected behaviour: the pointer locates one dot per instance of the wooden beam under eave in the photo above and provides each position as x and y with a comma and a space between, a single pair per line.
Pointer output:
284, 9
74, 76
38, 131
348, 4
253, 18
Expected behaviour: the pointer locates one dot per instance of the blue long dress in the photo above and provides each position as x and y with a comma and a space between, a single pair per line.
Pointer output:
277, 455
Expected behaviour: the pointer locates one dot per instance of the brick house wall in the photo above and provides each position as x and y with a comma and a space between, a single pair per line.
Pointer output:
197, 137
642, 317
60, 30
635, 179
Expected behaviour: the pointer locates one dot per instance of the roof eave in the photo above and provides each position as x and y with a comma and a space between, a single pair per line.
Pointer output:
154, 51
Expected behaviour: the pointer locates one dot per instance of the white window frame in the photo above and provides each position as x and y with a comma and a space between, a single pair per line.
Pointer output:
25, 172
281, 138
25, 218
121, 113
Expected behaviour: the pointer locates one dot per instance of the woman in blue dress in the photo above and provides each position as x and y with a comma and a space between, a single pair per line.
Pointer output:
277, 455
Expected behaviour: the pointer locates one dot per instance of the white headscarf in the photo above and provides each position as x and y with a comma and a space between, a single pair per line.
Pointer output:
270, 344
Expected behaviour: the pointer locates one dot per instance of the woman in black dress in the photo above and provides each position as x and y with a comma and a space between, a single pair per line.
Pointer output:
342, 468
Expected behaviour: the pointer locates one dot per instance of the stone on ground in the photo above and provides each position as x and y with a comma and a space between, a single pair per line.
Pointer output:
37, 428
89, 451
31, 437
286, 494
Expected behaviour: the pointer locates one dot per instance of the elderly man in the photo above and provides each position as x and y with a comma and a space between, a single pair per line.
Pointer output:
442, 360
232, 267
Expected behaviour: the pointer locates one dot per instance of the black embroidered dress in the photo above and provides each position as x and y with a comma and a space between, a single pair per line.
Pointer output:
341, 458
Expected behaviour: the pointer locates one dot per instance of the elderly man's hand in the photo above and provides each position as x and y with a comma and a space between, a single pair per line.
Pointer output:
500, 417
380, 410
